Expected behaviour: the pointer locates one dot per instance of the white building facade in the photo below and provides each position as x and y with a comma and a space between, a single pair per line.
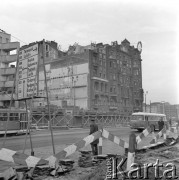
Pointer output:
67, 84
7, 71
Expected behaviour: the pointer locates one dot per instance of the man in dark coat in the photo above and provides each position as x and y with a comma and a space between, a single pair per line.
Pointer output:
170, 122
94, 144
161, 124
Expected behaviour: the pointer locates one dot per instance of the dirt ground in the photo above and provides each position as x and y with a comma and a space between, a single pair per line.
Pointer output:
99, 172
164, 154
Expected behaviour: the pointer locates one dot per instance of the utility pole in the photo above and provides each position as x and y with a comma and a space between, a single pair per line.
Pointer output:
146, 100
48, 102
74, 98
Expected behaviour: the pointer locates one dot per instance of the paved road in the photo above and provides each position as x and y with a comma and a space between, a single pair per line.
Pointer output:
67, 137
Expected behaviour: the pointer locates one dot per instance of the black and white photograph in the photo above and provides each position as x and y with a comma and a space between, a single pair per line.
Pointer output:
89, 89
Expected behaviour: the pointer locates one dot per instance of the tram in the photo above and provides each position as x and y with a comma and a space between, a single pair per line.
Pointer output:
17, 121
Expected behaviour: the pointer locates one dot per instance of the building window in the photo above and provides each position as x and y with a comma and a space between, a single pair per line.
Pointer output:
111, 76
135, 64
121, 80
110, 63
106, 88
7, 40
114, 89
96, 86
114, 64
47, 54
101, 87
121, 63
47, 47
0, 39
111, 89
95, 72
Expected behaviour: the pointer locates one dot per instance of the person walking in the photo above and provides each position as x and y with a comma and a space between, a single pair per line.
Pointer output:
160, 124
93, 129
170, 122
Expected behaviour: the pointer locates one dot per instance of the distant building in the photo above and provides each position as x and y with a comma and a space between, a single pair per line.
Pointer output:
7, 71
97, 77
171, 111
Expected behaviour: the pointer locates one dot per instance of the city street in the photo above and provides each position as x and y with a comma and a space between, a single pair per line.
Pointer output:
42, 146
42, 138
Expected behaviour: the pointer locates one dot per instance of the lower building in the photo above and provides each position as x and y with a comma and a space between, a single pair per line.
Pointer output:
171, 111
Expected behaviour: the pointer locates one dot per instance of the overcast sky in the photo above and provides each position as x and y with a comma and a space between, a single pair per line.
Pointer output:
154, 23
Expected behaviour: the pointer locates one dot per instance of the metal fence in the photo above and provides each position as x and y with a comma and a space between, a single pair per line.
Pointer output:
58, 120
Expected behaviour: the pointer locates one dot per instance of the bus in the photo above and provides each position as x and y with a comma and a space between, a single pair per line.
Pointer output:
140, 120
17, 121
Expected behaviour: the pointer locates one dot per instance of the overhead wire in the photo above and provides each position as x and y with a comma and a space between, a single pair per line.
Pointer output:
14, 37
19, 39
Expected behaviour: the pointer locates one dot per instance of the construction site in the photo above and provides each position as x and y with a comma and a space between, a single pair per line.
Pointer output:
76, 161
48, 99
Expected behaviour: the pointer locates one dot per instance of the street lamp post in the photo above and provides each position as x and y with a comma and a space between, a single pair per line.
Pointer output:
146, 100
75, 79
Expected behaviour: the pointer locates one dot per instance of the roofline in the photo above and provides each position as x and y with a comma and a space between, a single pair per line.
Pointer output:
148, 114
12, 110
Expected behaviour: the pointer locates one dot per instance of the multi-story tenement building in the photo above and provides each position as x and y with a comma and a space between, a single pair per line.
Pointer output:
98, 77
7, 71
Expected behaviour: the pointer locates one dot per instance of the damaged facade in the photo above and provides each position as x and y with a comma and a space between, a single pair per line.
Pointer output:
99, 77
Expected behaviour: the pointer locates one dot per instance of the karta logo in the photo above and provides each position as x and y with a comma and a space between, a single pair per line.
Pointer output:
116, 169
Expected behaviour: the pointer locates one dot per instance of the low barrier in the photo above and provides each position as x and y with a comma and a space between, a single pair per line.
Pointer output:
114, 139
20, 158
52, 161
58, 120
144, 134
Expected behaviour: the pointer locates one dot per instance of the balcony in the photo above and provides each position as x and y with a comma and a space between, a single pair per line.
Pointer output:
95, 63
9, 46
7, 71
97, 104
7, 84
8, 58
6, 97
112, 105
113, 94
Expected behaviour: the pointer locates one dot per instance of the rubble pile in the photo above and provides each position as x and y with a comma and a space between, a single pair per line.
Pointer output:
99, 159
66, 164
163, 154
85, 160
